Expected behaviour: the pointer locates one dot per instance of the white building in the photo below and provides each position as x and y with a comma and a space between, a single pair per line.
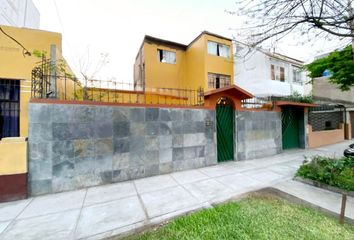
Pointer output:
268, 74
19, 13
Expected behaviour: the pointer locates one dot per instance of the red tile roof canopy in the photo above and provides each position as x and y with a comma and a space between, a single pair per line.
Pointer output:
234, 93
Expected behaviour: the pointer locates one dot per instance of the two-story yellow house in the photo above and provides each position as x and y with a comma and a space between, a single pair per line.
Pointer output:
206, 63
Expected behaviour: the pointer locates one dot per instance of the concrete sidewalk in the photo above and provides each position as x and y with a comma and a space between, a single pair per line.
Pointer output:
104, 211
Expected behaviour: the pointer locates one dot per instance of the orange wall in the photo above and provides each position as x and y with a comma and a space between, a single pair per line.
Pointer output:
163, 75
13, 65
322, 138
196, 65
216, 64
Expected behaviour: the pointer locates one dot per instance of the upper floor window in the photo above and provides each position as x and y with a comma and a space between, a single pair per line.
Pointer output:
297, 75
277, 73
165, 56
218, 80
218, 49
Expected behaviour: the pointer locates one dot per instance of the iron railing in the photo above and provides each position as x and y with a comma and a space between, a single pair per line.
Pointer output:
267, 102
257, 102
57, 84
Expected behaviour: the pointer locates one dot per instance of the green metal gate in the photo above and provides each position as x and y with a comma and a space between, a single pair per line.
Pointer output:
225, 132
290, 128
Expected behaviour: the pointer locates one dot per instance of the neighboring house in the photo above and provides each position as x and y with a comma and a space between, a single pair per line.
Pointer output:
268, 74
325, 91
204, 63
340, 107
15, 94
19, 13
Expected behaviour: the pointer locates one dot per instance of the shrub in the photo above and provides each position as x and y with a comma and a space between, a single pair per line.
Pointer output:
334, 172
345, 179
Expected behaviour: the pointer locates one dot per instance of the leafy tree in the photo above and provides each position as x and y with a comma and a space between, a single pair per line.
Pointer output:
339, 63
310, 19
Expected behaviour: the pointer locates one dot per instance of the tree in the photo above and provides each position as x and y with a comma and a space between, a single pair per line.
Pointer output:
339, 63
89, 70
275, 19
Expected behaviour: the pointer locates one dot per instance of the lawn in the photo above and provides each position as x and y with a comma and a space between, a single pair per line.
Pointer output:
257, 217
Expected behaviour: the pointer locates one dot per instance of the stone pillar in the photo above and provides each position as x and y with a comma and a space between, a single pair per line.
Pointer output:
52, 92
347, 127
235, 136
306, 128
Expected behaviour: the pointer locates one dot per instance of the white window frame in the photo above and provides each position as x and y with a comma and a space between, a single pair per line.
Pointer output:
297, 78
220, 50
277, 72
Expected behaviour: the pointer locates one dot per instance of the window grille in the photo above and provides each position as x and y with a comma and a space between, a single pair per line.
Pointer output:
9, 108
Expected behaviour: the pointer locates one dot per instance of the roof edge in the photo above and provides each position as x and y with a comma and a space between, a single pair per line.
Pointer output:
148, 38
208, 33
246, 94
152, 39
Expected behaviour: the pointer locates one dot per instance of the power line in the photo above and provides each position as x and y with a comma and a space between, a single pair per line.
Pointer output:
58, 15
63, 31
24, 50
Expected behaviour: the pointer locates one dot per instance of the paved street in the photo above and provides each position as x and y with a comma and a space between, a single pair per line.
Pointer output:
104, 211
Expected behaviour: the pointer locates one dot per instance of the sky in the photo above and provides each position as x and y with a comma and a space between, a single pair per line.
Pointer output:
117, 27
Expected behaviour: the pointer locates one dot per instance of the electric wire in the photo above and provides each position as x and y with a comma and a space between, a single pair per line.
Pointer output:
24, 50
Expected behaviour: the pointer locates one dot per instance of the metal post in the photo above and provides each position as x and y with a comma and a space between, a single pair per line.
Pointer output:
108, 89
342, 210
74, 90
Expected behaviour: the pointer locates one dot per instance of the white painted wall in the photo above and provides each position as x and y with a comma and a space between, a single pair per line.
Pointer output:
19, 13
253, 73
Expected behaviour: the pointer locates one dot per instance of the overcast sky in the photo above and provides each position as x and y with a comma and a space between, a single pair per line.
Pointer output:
117, 27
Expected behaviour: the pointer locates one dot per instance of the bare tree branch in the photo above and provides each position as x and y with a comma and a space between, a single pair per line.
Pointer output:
274, 19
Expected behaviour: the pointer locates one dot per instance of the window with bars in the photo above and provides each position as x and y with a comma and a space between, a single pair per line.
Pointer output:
218, 80
9, 108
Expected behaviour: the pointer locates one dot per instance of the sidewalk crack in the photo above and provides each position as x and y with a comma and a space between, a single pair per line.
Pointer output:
79, 217
142, 204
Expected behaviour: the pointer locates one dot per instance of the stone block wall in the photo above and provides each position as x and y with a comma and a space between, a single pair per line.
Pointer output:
258, 134
76, 146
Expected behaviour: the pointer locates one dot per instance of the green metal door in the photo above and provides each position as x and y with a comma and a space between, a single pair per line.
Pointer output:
225, 132
290, 128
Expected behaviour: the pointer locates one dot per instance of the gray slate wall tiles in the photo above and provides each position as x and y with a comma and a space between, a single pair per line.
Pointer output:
258, 134
76, 146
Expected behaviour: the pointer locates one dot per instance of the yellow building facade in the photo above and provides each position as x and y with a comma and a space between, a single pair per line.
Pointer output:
206, 63
15, 93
